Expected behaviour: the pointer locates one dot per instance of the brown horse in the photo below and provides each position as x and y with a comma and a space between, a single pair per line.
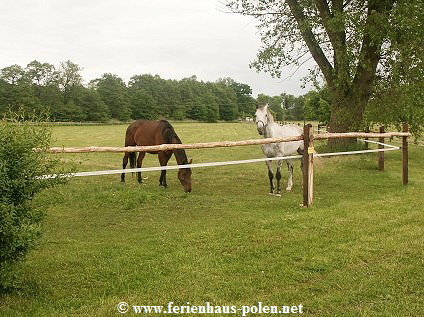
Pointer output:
146, 132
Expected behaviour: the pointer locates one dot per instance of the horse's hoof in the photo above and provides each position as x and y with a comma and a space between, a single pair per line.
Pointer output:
288, 189
278, 195
271, 194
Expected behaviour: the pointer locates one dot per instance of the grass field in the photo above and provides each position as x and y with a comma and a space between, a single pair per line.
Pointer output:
359, 251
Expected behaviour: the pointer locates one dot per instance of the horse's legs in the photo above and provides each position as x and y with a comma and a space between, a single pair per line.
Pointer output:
271, 176
278, 176
139, 163
290, 177
162, 179
164, 157
300, 151
124, 165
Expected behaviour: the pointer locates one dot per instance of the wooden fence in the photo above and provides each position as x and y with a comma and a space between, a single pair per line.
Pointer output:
308, 138
308, 157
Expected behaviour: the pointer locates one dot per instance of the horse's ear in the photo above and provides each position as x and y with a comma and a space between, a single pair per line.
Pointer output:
191, 161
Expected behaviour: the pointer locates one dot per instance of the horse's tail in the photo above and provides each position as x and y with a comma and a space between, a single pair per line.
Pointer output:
132, 158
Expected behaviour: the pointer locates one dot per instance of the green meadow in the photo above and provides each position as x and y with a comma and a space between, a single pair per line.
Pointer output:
358, 251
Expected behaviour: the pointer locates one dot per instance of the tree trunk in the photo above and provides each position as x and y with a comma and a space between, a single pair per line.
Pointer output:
347, 114
350, 89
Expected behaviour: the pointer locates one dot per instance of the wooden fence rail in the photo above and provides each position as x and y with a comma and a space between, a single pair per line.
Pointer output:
308, 138
371, 135
166, 147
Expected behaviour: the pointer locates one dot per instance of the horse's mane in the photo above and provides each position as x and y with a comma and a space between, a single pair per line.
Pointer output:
171, 137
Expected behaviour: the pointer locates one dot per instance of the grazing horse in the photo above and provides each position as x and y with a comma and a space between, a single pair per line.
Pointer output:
146, 132
269, 129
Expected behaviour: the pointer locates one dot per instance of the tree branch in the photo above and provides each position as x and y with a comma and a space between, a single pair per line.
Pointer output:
371, 45
336, 35
311, 41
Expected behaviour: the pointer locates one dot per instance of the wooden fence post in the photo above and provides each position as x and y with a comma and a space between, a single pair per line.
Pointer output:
405, 128
308, 167
367, 130
381, 153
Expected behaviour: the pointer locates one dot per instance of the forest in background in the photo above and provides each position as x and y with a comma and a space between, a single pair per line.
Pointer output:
60, 93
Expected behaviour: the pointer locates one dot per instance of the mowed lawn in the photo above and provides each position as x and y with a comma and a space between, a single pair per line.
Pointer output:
359, 251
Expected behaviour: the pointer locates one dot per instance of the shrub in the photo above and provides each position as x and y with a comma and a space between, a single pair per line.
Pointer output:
20, 218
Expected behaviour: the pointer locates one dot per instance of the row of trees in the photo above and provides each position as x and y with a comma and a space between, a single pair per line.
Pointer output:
60, 91
43, 88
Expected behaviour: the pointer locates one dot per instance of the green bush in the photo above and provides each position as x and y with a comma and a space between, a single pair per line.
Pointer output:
20, 217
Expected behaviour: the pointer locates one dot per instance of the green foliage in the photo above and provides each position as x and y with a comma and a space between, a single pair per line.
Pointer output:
42, 88
143, 105
362, 49
399, 95
93, 106
277, 106
285, 107
69, 79
20, 167
227, 100
70, 111
317, 105
246, 103
114, 95
293, 107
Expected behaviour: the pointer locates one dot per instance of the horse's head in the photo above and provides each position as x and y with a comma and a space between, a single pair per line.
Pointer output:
184, 175
261, 117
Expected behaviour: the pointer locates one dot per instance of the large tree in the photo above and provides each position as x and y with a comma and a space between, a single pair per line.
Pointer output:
227, 100
40, 74
113, 93
69, 79
245, 101
350, 41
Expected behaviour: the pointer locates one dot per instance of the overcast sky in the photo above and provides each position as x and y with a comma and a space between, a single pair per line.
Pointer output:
171, 38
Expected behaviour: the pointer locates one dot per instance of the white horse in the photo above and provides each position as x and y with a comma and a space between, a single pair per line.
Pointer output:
270, 129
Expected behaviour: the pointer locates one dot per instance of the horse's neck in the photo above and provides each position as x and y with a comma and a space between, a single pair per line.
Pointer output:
180, 154
269, 130
270, 117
